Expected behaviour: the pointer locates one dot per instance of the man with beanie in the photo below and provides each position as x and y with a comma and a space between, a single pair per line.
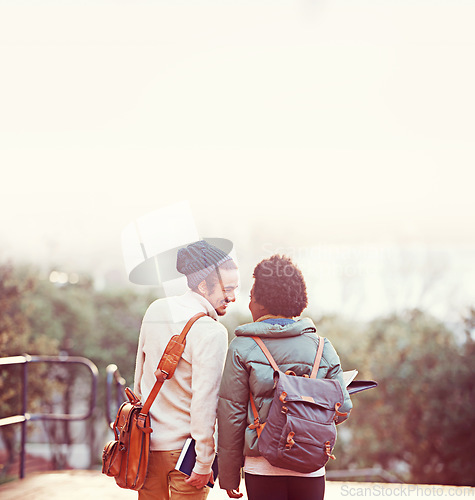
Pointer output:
186, 405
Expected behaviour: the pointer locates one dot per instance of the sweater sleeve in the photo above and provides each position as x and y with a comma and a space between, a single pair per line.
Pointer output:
139, 365
232, 419
207, 366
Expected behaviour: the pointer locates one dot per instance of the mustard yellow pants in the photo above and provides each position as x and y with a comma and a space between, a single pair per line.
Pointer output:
163, 482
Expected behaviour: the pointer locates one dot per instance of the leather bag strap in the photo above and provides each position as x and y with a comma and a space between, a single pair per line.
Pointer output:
318, 357
257, 424
267, 353
158, 384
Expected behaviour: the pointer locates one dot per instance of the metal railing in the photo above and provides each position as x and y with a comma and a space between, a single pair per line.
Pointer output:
25, 417
114, 381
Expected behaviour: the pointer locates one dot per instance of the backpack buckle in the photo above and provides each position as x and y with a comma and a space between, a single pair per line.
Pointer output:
258, 426
328, 450
337, 413
290, 440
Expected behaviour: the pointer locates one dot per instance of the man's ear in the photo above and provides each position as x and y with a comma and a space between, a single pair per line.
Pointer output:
202, 288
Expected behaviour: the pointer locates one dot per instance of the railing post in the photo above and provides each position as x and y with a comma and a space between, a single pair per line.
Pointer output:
23, 424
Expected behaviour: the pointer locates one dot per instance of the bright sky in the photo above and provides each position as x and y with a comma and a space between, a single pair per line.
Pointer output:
305, 122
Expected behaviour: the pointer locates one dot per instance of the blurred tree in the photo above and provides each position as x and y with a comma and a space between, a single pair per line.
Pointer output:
419, 421
16, 338
343, 334
102, 326
40, 317
65, 313
118, 316
469, 322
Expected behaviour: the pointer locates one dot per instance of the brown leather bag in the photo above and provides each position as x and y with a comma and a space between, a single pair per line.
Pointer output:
126, 457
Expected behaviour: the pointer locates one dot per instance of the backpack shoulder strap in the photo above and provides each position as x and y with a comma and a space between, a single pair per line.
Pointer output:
257, 423
318, 357
268, 355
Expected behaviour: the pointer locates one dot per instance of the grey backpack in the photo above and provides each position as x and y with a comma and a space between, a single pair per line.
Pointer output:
300, 431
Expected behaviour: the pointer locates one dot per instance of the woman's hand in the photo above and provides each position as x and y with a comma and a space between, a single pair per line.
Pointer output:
200, 480
234, 493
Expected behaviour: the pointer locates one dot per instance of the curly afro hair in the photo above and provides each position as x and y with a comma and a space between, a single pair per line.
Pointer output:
280, 287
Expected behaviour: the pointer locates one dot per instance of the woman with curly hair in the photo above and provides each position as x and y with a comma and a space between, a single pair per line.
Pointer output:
277, 299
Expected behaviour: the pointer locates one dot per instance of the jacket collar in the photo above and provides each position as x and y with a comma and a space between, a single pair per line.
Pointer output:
196, 301
262, 329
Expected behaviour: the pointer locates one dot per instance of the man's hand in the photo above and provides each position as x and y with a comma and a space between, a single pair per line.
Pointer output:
234, 493
200, 480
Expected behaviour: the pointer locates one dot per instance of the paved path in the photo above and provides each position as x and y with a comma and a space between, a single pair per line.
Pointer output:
74, 485
92, 485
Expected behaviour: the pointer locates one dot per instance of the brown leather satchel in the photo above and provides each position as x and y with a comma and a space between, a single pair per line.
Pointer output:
126, 457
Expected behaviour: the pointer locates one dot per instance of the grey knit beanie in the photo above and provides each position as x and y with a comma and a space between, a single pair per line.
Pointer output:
198, 260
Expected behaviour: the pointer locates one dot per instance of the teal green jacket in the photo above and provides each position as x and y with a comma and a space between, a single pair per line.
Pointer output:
293, 347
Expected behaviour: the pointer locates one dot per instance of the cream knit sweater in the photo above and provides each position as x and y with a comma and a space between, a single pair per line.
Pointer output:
186, 404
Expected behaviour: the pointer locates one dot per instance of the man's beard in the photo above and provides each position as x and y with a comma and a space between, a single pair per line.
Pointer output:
222, 312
